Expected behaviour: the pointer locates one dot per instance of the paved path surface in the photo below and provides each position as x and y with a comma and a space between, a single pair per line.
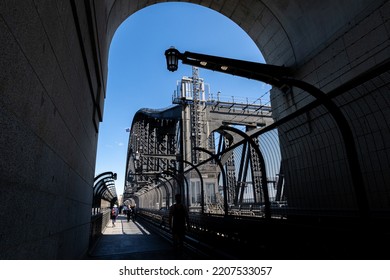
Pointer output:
130, 240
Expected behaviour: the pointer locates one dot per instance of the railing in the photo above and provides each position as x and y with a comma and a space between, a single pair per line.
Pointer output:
245, 237
99, 222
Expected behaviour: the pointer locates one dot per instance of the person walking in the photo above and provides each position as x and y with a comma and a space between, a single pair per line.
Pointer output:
113, 215
178, 221
133, 211
128, 214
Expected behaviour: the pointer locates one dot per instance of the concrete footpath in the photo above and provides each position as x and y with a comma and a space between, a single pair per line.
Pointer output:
130, 241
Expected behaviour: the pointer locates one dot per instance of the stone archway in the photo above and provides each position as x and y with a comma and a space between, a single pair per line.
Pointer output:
254, 17
52, 85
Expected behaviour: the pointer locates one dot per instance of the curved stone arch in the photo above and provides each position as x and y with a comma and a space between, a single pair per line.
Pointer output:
289, 33
255, 18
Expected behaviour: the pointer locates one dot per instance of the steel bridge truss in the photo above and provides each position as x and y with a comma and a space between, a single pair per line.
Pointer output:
230, 181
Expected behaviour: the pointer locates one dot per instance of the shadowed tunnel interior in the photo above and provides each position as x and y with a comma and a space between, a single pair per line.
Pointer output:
54, 61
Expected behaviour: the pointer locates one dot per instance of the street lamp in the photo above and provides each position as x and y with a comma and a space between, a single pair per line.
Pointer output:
280, 77
271, 74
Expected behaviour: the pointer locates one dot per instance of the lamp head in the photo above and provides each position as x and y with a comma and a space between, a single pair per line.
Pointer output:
172, 55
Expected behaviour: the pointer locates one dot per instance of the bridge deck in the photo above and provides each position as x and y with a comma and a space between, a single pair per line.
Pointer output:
132, 240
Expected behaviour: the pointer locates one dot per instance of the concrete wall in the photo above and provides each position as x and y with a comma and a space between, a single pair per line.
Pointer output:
52, 85
48, 137
318, 176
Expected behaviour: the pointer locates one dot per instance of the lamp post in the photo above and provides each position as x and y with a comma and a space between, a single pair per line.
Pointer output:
267, 73
280, 77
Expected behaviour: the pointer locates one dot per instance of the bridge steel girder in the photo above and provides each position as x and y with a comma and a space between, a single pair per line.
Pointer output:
151, 144
225, 201
264, 184
242, 175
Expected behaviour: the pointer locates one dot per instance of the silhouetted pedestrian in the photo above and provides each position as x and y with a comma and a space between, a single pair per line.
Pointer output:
178, 221
113, 215
128, 214
133, 211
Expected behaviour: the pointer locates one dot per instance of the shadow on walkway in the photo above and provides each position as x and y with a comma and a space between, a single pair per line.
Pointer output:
131, 241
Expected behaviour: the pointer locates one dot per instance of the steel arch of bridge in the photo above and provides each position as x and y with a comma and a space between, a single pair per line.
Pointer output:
170, 171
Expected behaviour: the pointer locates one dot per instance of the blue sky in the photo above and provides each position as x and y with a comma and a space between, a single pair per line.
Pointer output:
137, 74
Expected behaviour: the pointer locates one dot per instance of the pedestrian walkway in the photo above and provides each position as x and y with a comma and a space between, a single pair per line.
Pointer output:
131, 240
